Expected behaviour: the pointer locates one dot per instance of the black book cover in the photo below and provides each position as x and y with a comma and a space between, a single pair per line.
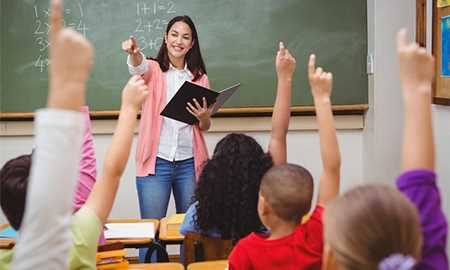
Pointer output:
176, 108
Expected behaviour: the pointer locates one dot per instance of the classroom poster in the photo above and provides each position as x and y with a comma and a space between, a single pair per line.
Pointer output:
445, 54
443, 3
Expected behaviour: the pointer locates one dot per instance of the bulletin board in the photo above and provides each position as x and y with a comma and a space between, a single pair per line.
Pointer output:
440, 45
441, 51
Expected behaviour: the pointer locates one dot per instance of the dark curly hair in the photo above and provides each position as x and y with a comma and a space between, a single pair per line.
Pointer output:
227, 192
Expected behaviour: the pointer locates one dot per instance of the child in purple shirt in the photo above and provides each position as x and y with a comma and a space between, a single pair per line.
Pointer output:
421, 188
418, 180
379, 227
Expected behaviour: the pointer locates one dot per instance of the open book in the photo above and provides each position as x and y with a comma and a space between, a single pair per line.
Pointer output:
129, 230
176, 108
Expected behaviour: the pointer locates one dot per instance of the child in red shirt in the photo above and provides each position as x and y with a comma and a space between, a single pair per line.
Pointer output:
285, 196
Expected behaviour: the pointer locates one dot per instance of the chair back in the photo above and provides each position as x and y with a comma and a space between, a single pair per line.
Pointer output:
198, 247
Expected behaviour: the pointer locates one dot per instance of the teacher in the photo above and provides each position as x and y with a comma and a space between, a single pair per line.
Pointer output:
169, 153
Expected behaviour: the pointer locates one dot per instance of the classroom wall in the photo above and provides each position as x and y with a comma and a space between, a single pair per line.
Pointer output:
303, 149
384, 119
442, 123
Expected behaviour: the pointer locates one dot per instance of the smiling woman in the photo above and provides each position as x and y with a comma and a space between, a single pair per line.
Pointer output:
169, 153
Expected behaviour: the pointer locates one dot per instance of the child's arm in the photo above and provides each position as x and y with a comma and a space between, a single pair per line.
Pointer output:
88, 172
416, 74
102, 196
321, 84
44, 238
418, 181
285, 66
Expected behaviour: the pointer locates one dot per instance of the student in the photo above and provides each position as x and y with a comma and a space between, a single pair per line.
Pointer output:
169, 153
19, 168
377, 227
88, 166
285, 196
227, 193
418, 180
44, 239
88, 221
39, 248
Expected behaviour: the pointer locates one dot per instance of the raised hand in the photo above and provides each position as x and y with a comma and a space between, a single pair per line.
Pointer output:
284, 63
71, 58
416, 76
320, 82
416, 65
285, 67
134, 92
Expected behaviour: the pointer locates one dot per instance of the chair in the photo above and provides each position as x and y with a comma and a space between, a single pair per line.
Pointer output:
199, 247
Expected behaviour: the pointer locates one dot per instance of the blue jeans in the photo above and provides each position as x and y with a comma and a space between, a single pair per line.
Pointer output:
154, 190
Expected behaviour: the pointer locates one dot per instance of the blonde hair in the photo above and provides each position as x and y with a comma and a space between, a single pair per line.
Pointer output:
370, 223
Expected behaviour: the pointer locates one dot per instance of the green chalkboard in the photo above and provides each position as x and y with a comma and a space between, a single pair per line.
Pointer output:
238, 39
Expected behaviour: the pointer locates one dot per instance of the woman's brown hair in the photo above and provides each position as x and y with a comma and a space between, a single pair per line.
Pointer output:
194, 59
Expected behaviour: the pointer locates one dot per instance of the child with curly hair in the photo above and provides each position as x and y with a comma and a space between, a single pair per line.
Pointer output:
227, 192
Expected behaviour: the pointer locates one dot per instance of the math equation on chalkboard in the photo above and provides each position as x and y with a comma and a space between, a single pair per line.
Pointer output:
41, 29
152, 18
145, 19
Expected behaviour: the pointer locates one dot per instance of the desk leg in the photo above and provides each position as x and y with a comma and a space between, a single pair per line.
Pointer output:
161, 252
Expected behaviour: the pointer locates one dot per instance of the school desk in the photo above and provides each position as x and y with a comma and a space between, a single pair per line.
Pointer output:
169, 238
156, 266
134, 242
211, 265
174, 237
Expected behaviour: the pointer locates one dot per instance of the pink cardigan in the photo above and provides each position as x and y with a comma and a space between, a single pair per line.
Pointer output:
88, 173
151, 122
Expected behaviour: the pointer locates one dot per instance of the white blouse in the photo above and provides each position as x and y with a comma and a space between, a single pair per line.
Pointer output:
175, 140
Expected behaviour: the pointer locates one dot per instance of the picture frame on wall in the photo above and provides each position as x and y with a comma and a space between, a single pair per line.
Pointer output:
440, 45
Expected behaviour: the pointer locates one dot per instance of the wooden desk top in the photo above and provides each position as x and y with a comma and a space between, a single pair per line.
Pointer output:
133, 241
9, 243
156, 266
211, 265
165, 236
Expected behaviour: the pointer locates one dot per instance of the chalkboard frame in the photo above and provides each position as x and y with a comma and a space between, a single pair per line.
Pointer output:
355, 109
